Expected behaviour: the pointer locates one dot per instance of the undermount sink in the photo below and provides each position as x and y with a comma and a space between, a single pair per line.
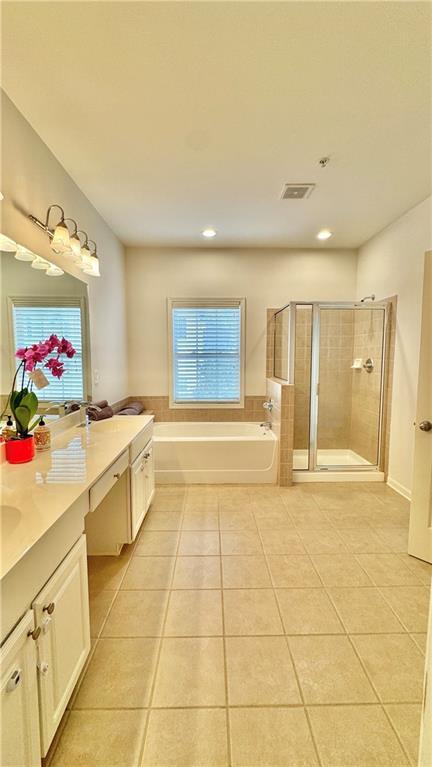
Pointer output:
10, 518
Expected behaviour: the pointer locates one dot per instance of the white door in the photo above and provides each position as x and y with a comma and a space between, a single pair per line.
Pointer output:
420, 532
62, 612
20, 745
425, 756
138, 500
149, 474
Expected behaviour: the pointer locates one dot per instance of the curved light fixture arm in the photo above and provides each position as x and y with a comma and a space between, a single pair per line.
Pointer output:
94, 252
80, 231
74, 223
48, 214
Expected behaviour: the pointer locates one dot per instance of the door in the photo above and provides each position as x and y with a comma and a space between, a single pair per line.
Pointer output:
420, 532
138, 499
62, 612
20, 745
148, 475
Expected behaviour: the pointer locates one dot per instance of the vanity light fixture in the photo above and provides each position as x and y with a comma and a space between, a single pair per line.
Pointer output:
209, 233
23, 254
54, 271
7, 245
68, 244
324, 234
40, 263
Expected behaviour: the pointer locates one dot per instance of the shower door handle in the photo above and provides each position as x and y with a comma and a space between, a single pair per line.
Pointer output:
425, 426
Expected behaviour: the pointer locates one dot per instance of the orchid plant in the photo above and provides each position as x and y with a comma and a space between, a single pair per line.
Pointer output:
23, 401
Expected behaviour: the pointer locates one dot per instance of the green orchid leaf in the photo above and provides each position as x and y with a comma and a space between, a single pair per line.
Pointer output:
22, 417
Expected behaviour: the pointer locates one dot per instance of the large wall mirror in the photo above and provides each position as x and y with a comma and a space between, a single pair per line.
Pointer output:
34, 305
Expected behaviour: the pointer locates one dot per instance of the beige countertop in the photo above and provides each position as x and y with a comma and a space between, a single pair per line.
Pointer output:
34, 495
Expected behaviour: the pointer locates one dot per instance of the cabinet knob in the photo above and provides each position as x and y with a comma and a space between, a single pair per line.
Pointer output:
117, 476
14, 680
35, 634
147, 455
43, 667
49, 608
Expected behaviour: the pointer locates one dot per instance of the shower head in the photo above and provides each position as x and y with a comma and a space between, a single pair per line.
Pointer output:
368, 298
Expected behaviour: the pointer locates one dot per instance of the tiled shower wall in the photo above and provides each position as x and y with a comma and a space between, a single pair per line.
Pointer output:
335, 377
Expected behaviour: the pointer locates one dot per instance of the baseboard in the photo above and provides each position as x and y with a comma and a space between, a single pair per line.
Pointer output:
399, 488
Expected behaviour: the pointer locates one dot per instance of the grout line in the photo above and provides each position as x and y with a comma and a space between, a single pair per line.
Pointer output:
227, 716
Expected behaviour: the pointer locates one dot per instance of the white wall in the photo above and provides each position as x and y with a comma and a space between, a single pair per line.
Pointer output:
33, 179
392, 263
266, 278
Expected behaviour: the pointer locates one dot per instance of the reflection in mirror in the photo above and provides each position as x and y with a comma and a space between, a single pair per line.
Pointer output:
33, 306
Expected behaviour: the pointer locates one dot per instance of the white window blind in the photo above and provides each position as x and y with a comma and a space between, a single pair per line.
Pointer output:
34, 323
206, 353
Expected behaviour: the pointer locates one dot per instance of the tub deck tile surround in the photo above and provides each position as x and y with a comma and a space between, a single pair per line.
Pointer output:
213, 651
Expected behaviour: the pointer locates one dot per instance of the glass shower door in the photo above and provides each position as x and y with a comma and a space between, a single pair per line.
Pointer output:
348, 358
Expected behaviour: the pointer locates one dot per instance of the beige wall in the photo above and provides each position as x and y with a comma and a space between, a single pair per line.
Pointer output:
32, 179
264, 278
392, 263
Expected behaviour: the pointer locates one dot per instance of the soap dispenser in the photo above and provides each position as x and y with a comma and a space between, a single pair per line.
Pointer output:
42, 435
8, 431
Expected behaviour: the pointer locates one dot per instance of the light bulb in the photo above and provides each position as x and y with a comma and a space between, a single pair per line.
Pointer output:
39, 263
23, 254
60, 242
7, 245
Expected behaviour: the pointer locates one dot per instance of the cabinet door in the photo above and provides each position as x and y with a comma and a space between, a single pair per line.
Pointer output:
20, 745
138, 504
149, 474
62, 612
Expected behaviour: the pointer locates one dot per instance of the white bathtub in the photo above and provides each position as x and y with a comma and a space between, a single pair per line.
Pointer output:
233, 452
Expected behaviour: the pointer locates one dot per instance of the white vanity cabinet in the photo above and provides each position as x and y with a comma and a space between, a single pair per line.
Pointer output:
142, 486
20, 746
61, 611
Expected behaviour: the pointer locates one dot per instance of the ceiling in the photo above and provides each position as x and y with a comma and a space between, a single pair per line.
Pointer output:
175, 116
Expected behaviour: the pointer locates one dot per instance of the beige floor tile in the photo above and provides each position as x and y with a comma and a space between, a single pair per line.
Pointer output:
200, 520
281, 542
149, 573
190, 673
161, 544
248, 572
387, 517
273, 520
240, 542
292, 571
423, 570
194, 613
308, 611
168, 503
100, 605
355, 736
411, 605
396, 538
198, 543
101, 739
347, 518
267, 503
364, 611
420, 640
251, 612
363, 542
271, 737
394, 665
237, 520
387, 570
163, 520
107, 572
201, 503
309, 519
197, 573
260, 672
297, 497
329, 670
119, 674
340, 570
406, 718
136, 614
322, 541
186, 738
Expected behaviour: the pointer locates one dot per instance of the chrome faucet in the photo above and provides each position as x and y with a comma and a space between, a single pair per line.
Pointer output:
268, 405
267, 425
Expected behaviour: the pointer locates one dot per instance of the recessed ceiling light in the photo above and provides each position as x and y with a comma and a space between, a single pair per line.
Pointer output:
324, 234
209, 233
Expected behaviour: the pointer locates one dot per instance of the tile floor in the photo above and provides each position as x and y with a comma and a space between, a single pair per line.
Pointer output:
255, 627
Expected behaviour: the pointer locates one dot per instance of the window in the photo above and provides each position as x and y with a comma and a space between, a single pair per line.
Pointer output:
34, 320
206, 352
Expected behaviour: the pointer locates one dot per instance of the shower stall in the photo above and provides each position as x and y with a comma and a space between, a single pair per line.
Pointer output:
334, 353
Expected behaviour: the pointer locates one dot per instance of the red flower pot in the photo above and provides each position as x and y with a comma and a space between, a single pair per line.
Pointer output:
20, 450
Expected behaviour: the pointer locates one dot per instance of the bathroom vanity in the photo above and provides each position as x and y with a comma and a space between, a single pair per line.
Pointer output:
88, 494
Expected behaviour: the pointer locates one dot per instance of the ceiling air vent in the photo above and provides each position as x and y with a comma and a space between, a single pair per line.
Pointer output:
297, 191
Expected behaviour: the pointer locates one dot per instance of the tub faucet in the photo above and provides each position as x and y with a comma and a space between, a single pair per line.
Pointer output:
267, 425
268, 405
